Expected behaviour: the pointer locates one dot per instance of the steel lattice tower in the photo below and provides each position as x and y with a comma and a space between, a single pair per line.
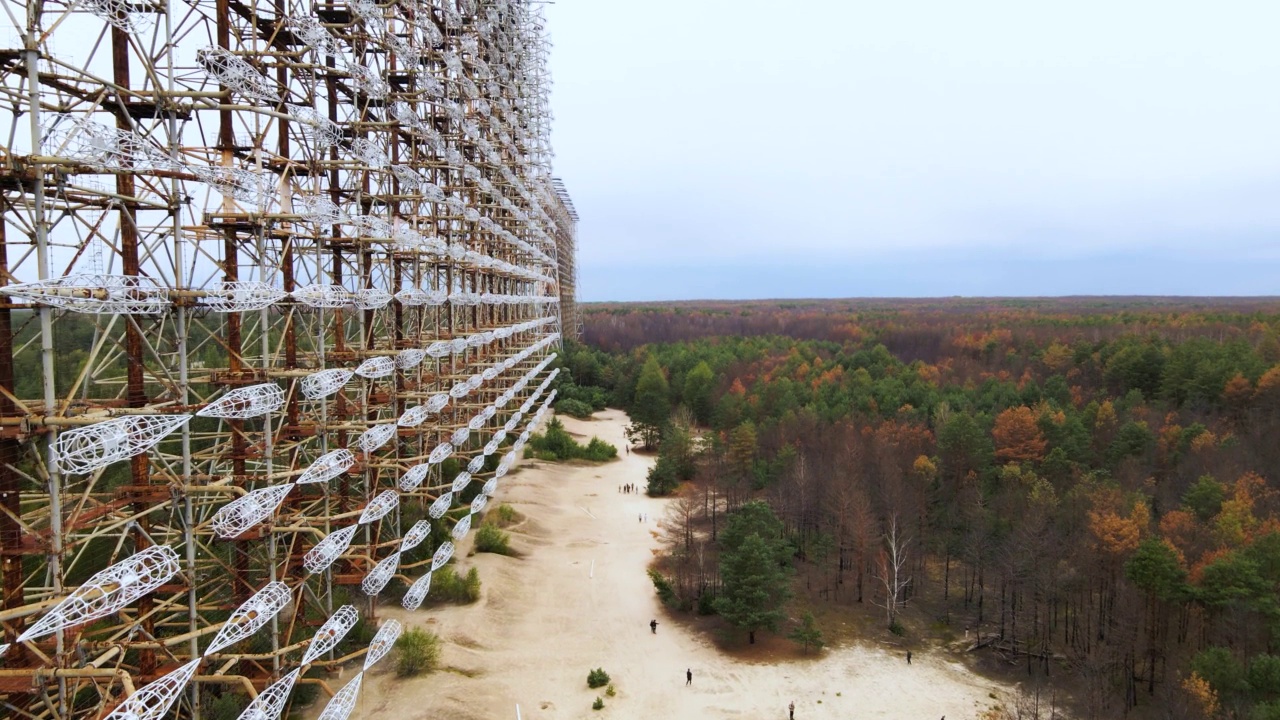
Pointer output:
280, 285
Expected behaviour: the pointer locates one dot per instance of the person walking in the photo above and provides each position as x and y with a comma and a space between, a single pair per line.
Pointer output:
653, 626
688, 677
908, 657
791, 710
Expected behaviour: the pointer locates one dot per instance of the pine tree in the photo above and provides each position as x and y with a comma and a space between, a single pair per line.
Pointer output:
652, 405
807, 635
753, 569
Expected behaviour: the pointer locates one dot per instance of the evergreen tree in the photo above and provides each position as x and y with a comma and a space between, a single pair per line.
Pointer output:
807, 635
698, 386
652, 404
753, 569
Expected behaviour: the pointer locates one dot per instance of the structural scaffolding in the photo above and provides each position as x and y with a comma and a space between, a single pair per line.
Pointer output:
281, 286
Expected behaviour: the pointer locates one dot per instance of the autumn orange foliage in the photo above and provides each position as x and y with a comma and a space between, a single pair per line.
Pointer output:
1018, 437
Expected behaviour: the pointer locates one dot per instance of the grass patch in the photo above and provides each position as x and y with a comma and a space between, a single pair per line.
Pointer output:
503, 515
492, 540
418, 652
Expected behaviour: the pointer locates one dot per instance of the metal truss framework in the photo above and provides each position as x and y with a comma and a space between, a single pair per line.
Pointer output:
279, 280
566, 235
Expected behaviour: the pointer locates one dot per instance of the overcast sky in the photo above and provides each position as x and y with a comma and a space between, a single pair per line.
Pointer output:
747, 149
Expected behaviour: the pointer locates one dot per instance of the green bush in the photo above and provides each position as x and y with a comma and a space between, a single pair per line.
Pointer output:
492, 540
706, 604
599, 451
448, 586
662, 478
597, 678
896, 628
576, 408
598, 704
666, 593
504, 514
609, 691
419, 652
557, 444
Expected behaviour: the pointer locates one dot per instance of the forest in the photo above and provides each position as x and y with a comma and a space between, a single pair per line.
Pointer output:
1088, 485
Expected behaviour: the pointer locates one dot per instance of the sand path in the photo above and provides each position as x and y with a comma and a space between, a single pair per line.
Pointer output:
580, 598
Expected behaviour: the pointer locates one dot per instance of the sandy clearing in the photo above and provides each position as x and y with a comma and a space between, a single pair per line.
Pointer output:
580, 599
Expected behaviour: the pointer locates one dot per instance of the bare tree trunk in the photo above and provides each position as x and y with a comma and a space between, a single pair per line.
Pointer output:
890, 566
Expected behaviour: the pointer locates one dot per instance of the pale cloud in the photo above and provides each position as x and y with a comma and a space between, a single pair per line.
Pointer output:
771, 149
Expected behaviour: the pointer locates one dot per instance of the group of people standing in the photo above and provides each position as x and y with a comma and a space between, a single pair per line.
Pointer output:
629, 488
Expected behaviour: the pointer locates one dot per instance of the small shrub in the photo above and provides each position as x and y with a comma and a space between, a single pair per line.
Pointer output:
706, 604
492, 540
471, 586
609, 691
598, 704
599, 451
597, 678
807, 634
448, 586
504, 514
896, 628
418, 652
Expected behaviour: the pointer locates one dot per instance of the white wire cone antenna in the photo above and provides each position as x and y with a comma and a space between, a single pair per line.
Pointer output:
462, 528
109, 591
417, 592
322, 384
440, 506
382, 642
329, 549
327, 467
241, 297
250, 617
96, 294
413, 478
385, 502
442, 555
415, 536
440, 453
86, 449
271, 701
245, 512
153, 701
246, 402
343, 701
376, 436
381, 574
331, 633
